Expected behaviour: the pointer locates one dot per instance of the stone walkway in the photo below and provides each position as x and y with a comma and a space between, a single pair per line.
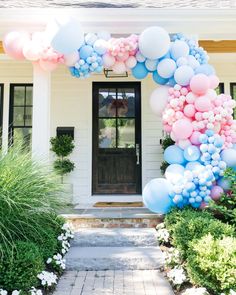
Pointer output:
113, 282
114, 262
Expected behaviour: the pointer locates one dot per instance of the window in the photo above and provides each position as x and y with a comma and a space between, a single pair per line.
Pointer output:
1, 112
20, 117
220, 89
233, 94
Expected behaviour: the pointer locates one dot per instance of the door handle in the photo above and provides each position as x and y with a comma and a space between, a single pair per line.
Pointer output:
137, 146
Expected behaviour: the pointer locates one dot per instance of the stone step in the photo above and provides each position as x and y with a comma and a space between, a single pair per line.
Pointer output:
116, 258
115, 237
113, 218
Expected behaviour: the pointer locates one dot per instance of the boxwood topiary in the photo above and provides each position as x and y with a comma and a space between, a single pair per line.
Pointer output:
20, 266
211, 263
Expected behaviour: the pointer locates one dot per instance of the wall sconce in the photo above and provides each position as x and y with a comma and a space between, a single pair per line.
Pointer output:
111, 74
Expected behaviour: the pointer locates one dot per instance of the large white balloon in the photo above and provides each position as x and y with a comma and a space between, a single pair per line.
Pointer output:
154, 42
158, 99
65, 35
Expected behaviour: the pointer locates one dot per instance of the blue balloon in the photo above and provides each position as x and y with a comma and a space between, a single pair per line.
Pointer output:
172, 82
166, 68
183, 75
151, 64
224, 183
174, 155
156, 195
158, 79
85, 51
179, 49
205, 69
194, 166
229, 157
192, 153
140, 71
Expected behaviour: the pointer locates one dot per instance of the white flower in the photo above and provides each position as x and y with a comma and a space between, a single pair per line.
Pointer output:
177, 276
160, 226
49, 260
47, 278
172, 257
15, 292
34, 291
3, 292
196, 291
163, 235
232, 292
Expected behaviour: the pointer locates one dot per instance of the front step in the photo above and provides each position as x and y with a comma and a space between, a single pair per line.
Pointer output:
115, 237
113, 218
116, 258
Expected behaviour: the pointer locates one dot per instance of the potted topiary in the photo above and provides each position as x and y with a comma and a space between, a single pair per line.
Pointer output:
63, 146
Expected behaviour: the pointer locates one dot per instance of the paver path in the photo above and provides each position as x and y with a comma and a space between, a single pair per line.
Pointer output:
114, 262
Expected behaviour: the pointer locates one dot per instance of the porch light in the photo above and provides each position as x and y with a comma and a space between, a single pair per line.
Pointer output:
111, 74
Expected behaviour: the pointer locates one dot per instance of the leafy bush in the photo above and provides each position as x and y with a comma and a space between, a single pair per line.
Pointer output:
225, 208
64, 166
212, 262
20, 266
28, 198
163, 167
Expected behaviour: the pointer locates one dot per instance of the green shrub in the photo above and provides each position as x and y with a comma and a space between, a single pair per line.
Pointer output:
190, 230
212, 263
28, 197
20, 266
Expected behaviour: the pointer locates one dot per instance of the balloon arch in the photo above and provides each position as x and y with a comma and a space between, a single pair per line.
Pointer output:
198, 119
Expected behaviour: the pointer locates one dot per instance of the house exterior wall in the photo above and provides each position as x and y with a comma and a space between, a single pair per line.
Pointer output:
71, 105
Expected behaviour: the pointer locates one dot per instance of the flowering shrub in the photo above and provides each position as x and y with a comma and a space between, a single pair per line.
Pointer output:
47, 278
173, 257
196, 291
34, 291
163, 235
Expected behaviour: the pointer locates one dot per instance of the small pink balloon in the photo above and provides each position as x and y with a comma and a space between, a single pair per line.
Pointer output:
189, 110
119, 67
71, 59
203, 104
47, 65
123, 57
108, 60
214, 81
199, 84
216, 192
182, 129
131, 62
32, 51
191, 97
194, 138
13, 44
167, 128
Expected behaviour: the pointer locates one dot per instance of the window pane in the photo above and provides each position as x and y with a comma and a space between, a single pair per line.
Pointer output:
18, 116
28, 116
126, 102
220, 88
107, 133
126, 133
23, 135
233, 94
29, 95
107, 102
19, 96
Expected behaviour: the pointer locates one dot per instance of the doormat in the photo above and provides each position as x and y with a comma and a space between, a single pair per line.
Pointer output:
118, 204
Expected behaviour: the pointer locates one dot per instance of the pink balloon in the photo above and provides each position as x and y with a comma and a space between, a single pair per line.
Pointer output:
182, 129
189, 110
71, 59
191, 97
108, 60
203, 104
195, 138
32, 51
167, 128
214, 81
199, 84
47, 65
131, 62
119, 67
123, 57
13, 44
183, 143
216, 192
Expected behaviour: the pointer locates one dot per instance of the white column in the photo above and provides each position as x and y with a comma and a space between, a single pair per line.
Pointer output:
41, 113
5, 125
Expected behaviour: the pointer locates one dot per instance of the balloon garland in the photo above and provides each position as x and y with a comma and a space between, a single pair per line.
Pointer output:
198, 119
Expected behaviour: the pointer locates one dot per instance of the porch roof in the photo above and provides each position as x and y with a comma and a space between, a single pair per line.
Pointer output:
206, 24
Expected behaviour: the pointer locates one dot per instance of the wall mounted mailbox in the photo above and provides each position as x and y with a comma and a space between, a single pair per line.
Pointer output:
65, 131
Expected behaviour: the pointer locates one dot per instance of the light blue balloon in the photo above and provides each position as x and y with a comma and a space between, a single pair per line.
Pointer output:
140, 57
229, 157
166, 68
174, 172
139, 71
174, 155
172, 82
224, 183
156, 195
151, 64
181, 61
192, 153
85, 51
158, 79
192, 62
179, 49
183, 75
193, 166
205, 69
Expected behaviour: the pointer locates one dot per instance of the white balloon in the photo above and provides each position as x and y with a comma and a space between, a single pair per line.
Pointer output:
104, 35
158, 99
32, 51
65, 35
131, 62
154, 42
90, 38
71, 59
174, 173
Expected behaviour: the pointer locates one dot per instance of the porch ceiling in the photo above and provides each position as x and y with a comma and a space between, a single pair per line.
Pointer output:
206, 24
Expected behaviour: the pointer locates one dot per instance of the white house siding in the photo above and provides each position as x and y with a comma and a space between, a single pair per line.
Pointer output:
71, 105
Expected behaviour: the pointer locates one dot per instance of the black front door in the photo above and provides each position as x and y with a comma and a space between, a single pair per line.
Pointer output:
116, 138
